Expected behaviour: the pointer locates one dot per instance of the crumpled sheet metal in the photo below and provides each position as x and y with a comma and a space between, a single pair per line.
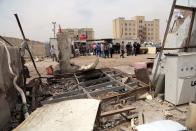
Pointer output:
90, 66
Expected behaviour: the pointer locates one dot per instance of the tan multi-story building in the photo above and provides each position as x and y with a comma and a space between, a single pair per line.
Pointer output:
77, 33
136, 28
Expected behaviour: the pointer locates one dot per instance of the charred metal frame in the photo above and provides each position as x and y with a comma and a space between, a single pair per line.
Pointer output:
107, 81
106, 85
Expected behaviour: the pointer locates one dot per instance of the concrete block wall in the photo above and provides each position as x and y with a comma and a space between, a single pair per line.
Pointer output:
37, 48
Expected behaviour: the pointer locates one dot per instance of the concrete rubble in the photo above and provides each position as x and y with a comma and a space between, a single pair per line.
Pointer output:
87, 98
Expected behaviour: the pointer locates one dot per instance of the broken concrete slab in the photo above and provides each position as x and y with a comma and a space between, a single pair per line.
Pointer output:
72, 115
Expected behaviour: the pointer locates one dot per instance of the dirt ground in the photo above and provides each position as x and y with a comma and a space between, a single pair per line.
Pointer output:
112, 62
116, 61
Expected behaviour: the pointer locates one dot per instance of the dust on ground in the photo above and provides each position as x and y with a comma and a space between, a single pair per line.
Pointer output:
116, 61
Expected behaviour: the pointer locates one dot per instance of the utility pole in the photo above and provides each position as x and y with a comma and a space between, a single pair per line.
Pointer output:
54, 29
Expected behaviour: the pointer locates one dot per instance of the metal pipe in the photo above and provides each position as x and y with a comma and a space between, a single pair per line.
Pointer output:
190, 31
27, 47
164, 39
21, 30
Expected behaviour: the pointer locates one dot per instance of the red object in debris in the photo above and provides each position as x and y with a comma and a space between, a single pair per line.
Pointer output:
49, 70
83, 37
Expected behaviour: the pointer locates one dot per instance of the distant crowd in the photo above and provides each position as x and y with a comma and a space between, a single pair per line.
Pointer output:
102, 49
107, 49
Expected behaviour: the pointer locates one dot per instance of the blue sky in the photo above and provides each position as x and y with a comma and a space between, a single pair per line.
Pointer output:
36, 15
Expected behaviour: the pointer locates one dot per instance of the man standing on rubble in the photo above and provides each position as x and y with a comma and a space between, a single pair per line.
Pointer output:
53, 54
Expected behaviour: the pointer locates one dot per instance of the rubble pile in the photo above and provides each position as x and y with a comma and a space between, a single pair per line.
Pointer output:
116, 90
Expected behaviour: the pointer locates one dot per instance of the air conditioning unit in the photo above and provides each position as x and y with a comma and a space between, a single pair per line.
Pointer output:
180, 78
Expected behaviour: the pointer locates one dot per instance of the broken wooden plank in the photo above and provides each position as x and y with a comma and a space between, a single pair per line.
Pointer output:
114, 112
140, 118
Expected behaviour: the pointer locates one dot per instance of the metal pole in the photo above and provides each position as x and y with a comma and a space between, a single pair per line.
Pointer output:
27, 47
190, 31
21, 30
164, 39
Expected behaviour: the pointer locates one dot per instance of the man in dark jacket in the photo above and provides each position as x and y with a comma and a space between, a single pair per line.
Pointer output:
138, 48
135, 48
122, 49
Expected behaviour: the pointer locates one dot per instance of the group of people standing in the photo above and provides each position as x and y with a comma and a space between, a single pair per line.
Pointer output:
106, 50
103, 50
131, 49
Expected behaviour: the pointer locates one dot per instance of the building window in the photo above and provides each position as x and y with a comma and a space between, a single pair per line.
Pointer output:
125, 33
129, 28
129, 33
125, 29
125, 24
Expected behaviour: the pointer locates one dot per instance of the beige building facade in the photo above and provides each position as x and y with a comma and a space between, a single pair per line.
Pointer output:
77, 33
137, 28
